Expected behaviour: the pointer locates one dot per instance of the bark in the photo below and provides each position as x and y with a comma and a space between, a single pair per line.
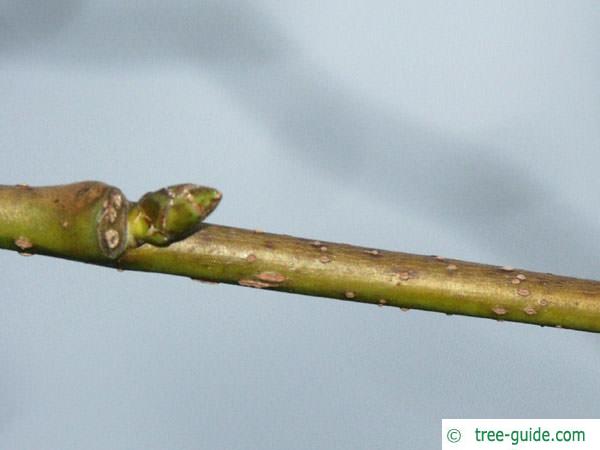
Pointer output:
72, 222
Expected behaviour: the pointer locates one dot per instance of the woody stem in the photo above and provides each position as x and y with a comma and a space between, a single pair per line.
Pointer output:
285, 263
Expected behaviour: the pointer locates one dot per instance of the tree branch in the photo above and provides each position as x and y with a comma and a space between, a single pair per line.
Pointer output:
72, 222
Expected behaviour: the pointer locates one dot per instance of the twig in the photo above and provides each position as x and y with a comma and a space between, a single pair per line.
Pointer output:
93, 222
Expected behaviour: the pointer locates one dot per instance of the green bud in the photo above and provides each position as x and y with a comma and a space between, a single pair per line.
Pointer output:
171, 214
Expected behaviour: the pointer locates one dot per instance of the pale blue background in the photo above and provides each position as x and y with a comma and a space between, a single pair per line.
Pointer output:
468, 129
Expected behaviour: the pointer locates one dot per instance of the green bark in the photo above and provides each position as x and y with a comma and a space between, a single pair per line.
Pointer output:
166, 234
83, 221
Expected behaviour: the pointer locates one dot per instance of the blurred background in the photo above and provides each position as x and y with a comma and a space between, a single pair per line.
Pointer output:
468, 129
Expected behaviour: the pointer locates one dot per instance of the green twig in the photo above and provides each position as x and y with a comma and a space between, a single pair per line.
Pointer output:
93, 222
